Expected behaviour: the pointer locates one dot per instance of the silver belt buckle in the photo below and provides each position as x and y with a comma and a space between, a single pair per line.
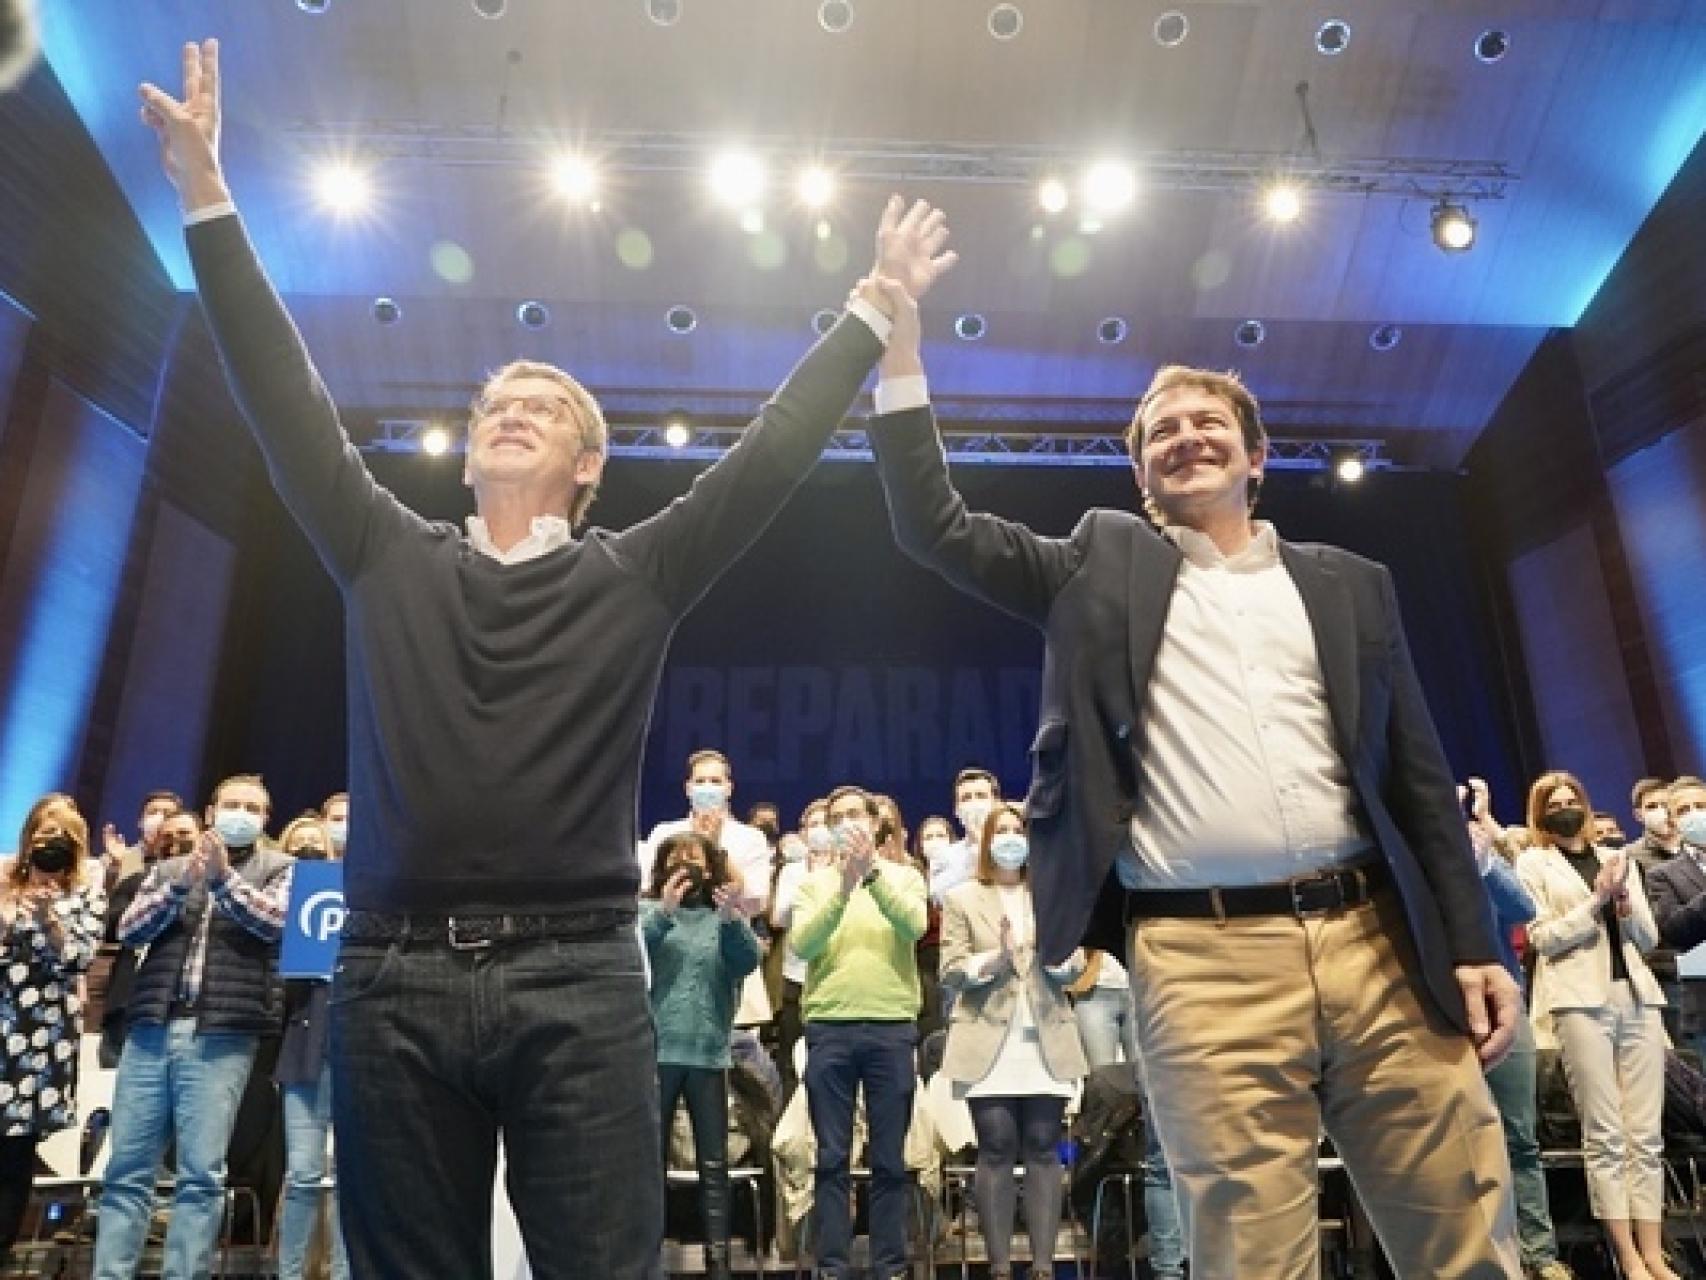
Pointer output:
459, 943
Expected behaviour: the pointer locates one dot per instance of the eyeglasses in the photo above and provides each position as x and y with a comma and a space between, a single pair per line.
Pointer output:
539, 408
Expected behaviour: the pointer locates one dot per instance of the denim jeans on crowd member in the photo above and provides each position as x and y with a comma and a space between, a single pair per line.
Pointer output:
436, 1052
307, 1120
841, 1056
1512, 1083
1108, 1028
172, 1082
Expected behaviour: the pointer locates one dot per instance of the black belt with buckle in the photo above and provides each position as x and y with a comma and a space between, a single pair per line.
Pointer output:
1305, 896
474, 932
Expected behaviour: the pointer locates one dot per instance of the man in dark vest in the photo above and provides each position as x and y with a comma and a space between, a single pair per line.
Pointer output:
202, 997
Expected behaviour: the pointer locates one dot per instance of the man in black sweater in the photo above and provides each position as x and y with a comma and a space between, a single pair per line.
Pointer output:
499, 689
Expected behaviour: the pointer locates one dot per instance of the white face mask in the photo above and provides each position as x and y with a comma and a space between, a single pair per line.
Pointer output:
1692, 827
151, 824
973, 814
1656, 820
936, 847
818, 838
237, 827
707, 797
1009, 850
339, 832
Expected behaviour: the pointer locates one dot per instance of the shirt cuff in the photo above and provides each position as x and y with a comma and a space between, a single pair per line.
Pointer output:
879, 324
207, 213
894, 394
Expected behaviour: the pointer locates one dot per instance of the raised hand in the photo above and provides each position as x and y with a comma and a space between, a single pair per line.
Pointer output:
113, 843
675, 888
726, 898
188, 129
910, 246
860, 857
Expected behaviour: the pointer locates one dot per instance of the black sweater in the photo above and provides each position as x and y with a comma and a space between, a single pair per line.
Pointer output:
497, 713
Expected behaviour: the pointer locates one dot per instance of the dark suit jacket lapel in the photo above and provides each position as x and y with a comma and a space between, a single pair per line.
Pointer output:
1155, 565
1332, 617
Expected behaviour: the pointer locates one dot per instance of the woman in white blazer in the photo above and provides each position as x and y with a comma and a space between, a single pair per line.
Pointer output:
1013, 1049
1590, 930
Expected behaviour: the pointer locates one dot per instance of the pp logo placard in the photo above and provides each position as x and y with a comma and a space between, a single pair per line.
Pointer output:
314, 921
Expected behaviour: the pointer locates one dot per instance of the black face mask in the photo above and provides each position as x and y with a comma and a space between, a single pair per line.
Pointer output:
181, 848
1614, 842
698, 889
55, 856
1566, 824
310, 853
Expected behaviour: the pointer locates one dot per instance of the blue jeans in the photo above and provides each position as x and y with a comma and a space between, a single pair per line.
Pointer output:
1512, 1083
171, 1082
841, 1056
1107, 1025
436, 1052
307, 1117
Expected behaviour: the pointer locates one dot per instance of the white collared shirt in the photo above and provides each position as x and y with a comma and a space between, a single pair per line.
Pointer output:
544, 534
1244, 783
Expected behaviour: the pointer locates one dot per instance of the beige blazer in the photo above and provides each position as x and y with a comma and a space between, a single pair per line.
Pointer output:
984, 1007
1573, 947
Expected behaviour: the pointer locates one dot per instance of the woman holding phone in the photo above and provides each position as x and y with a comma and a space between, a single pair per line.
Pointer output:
1590, 930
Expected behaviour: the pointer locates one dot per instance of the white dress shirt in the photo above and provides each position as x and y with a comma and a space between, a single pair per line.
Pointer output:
747, 849
545, 533
1243, 782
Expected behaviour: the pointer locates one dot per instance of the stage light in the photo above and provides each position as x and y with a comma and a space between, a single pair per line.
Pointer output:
835, 16
1452, 226
1348, 465
676, 432
752, 221
665, 13
386, 311
1006, 21
1490, 46
1109, 186
1283, 202
1250, 333
816, 186
824, 229
575, 178
343, 188
1333, 37
533, 314
970, 327
1385, 337
1171, 28
737, 179
1110, 331
435, 441
680, 320
1052, 196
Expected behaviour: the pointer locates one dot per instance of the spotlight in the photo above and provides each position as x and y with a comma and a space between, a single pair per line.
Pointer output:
1250, 333
533, 315
315, 7
1171, 28
1452, 226
676, 432
970, 327
1348, 465
575, 179
1333, 37
493, 9
435, 441
1490, 46
1109, 186
1052, 196
823, 321
824, 229
665, 13
1385, 337
752, 221
1005, 21
737, 178
1283, 202
680, 320
816, 186
386, 311
1110, 331
343, 189
835, 16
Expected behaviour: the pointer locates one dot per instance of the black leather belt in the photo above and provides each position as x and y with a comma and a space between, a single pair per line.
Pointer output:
476, 932
1305, 896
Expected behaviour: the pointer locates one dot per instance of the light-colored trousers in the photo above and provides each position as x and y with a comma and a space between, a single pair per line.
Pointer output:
1614, 1059
1258, 1032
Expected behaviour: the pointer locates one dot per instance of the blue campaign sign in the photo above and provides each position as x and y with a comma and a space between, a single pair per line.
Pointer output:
314, 921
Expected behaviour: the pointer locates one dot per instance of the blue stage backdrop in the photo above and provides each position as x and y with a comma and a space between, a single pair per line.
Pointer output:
825, 656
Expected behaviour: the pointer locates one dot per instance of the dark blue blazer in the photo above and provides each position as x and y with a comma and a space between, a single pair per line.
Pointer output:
1101, 597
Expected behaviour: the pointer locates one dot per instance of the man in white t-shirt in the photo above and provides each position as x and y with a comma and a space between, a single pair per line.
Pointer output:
710, 786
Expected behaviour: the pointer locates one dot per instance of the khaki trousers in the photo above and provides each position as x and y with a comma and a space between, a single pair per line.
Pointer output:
1257, 1033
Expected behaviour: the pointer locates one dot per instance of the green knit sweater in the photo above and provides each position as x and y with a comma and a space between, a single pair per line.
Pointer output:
698, 962
860, 949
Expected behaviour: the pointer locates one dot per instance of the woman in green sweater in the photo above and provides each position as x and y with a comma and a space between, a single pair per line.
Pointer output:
701, 949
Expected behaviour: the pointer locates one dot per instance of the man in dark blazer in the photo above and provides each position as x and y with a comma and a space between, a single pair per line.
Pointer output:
1236, 774
1677, 890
